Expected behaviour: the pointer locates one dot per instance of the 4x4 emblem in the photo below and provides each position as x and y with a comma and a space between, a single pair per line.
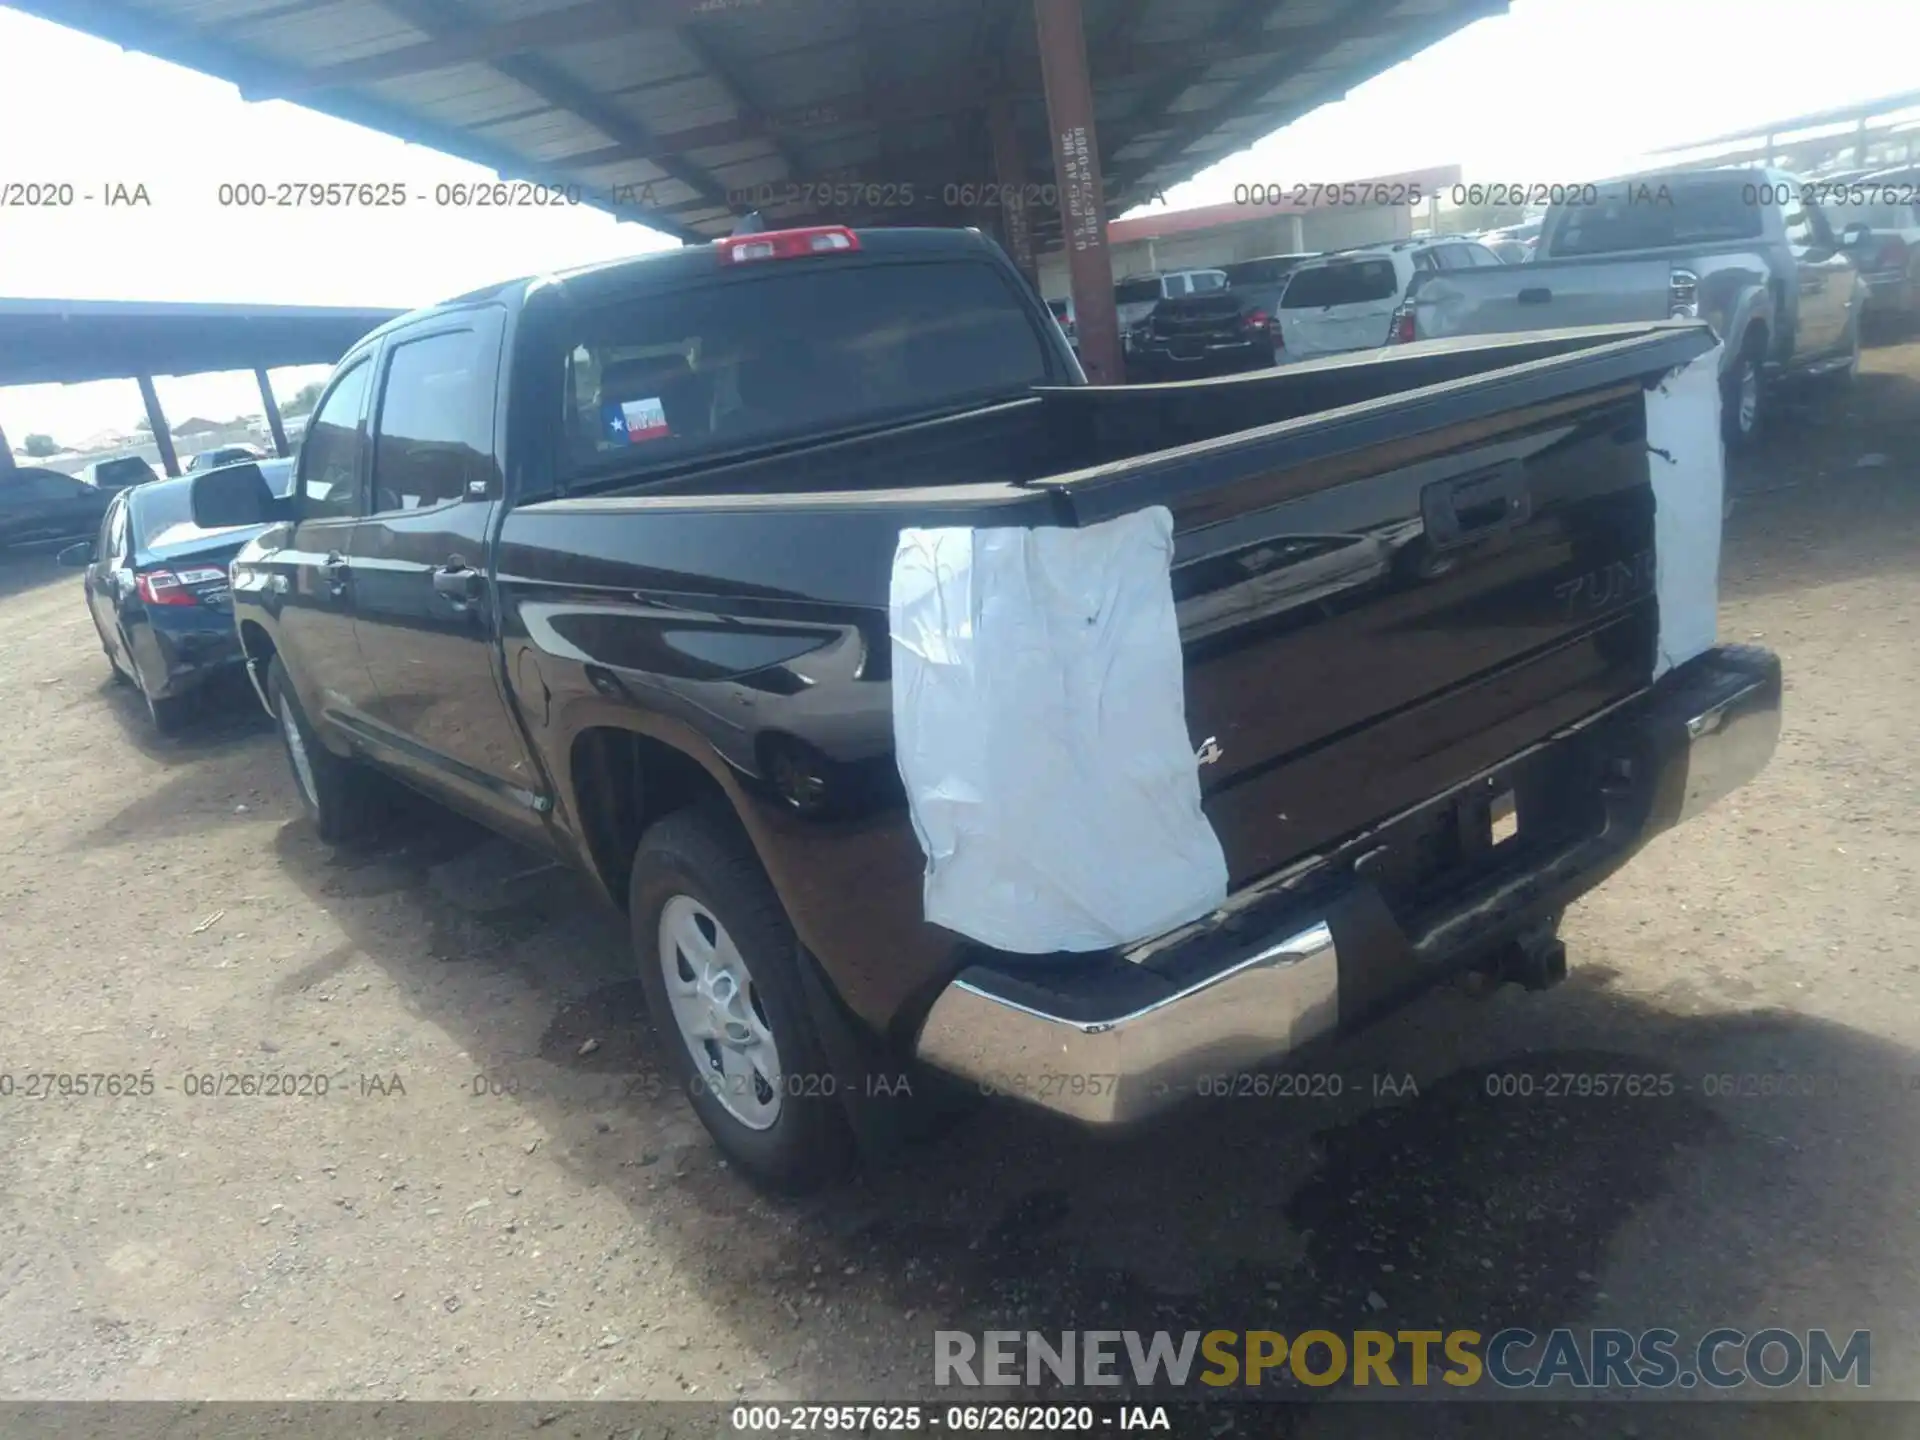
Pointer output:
1209, 752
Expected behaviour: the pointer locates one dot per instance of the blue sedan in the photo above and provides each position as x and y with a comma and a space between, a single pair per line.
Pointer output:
157, 588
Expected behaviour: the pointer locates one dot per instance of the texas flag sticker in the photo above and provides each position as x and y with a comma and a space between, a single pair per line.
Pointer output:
637, 420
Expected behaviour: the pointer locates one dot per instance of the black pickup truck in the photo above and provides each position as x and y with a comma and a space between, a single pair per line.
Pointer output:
604, 560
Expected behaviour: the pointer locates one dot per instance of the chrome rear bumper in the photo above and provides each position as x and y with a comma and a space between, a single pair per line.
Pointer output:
1729, 742
1109, 1043
1111, 1071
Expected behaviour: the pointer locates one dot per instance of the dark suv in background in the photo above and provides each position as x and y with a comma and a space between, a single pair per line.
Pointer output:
120, 473
38, 504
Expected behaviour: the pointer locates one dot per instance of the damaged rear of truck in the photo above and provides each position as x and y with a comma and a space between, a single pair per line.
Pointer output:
1076, 743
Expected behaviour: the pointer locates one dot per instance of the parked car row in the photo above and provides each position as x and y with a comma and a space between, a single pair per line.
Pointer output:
1879, 214
1858, 255
38, 504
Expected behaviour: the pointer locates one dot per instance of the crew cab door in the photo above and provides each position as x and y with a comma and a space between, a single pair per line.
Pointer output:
308, 578
423, 590
1824, 278
109, 578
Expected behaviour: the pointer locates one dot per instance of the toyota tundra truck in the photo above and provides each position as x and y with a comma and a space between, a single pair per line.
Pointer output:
1750, 250
612, 561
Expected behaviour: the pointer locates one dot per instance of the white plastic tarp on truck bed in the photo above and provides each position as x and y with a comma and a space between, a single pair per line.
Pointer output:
1039, 718
1686, 460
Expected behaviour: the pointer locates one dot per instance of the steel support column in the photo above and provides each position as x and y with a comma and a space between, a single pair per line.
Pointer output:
1076, 173
6, 452
1010, 172
272, 408
156, 417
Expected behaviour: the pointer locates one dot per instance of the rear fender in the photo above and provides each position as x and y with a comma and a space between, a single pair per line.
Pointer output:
1747, 307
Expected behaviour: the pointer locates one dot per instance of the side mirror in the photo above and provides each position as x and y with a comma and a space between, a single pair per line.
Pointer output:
1854, 235
75, 557
236, 495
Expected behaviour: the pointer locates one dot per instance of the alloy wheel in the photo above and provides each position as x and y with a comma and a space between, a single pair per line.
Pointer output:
719, 1013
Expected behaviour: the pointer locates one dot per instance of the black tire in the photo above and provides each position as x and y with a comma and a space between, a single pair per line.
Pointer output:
1844, 377
344, 800
701, 856
169, 714
1742, 410
120, 676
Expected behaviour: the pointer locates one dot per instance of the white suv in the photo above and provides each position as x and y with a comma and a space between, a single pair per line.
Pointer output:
1346, 300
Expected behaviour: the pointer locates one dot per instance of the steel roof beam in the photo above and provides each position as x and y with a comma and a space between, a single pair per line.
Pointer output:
1303, 57
969, 90
151, 35
475, 43
550, 83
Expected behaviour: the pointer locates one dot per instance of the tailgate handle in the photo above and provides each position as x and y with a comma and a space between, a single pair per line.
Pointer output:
1535, 295
1459, 512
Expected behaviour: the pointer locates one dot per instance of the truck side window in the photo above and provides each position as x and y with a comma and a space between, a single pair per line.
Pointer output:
1798, 219
330, 454
434, 431
114, 552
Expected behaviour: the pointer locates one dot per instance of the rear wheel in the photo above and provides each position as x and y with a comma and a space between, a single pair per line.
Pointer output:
342, 798
168, 713
1742, 402
719, 965
1847, 373
120, 676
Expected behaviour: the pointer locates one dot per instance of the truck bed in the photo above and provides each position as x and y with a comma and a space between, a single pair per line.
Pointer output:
1392, 570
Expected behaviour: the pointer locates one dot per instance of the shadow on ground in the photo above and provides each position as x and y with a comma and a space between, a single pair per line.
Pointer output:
1443, 1178
226, 754
1808, 510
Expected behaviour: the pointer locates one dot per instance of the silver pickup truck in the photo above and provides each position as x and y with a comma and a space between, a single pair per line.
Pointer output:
1746, 248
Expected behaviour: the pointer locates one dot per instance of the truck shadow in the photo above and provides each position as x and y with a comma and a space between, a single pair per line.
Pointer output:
31, 566
1808, 511
1587, 1156
225, 756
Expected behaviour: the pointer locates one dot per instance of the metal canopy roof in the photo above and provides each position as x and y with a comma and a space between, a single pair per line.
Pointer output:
683, 114
68, 341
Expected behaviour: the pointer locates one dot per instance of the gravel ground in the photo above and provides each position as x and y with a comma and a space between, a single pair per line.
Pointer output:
498, 1197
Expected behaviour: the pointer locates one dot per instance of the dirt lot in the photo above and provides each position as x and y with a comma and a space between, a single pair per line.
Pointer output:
569, 1233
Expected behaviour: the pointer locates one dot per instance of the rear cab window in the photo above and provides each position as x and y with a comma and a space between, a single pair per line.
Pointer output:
1341, 282
1656, 212
785, 350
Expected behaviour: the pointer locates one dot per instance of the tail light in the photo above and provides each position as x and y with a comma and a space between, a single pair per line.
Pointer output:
1683, 295
1400, 327
786, 244
174, 587
1257, 320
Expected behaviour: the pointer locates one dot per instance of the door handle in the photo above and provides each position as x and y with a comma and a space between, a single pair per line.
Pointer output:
338, 573
457, 582
1476, 507
1534, 295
